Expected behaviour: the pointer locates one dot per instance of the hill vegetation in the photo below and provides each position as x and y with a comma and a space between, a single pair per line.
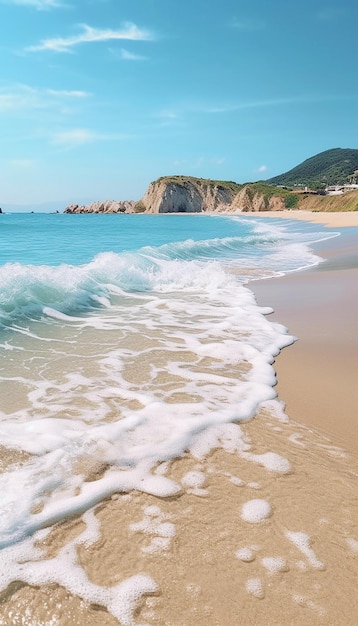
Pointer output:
336, 166
181, 180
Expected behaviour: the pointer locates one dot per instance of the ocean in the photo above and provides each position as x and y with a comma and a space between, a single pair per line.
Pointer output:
126, 341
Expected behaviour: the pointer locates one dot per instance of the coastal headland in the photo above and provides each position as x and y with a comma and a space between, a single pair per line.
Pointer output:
186, 194
328, 181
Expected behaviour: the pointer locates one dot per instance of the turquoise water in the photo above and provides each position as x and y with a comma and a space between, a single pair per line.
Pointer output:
125, 341
70, 262
42, 239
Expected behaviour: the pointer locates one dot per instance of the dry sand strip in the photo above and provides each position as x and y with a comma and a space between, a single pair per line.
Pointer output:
333, 219
317, 375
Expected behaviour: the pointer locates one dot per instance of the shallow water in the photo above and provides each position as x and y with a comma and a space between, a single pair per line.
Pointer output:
125, 341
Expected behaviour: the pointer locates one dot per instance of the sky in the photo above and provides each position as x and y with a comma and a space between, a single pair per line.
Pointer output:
100, 97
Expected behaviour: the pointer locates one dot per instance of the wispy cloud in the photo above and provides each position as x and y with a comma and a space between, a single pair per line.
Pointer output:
126, 55
262, 169
26, 97
63, 93
249, 104
89, 34
77, 137
177, 113
201, 108
40, 5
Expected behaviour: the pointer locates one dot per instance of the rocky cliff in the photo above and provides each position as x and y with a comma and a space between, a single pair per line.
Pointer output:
178, 194
107, 206
184, 194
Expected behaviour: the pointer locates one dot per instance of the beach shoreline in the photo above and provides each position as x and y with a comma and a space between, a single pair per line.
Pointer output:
316, 376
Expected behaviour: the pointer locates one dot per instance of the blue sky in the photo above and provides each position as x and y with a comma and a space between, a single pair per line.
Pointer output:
100, 97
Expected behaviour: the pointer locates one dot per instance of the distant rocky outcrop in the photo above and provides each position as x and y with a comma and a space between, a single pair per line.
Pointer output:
107, 206
179, 194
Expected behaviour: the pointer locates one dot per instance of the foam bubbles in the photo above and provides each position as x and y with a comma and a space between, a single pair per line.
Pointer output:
275, 564
194, 479
245, 554
154, 524
272, 461
256, 510
303, 543
255, 587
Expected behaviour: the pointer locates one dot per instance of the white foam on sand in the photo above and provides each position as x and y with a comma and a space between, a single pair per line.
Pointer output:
274, 564
149, 375
303, 543
255, 587
245, 554
255, 511
155, 524
270, 460
120, 600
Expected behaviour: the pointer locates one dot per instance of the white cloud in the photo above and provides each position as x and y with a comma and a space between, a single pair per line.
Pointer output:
125, 55
130, 56
22, 96
200, 108
81, 136
72, 138
40, 5
89, 34
262, 168
63, 93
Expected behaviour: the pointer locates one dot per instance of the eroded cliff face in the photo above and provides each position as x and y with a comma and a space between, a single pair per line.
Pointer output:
247, 200
195, 196
163, 196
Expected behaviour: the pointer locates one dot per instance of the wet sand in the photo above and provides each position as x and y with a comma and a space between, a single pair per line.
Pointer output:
294, 562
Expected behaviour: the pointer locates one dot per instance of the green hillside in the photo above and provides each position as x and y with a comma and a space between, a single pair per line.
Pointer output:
181, 180
331, 167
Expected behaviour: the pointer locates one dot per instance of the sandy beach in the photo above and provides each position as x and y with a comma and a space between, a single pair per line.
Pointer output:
265, 528
316, 376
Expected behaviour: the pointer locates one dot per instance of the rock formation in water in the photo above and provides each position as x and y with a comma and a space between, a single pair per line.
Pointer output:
107, 206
